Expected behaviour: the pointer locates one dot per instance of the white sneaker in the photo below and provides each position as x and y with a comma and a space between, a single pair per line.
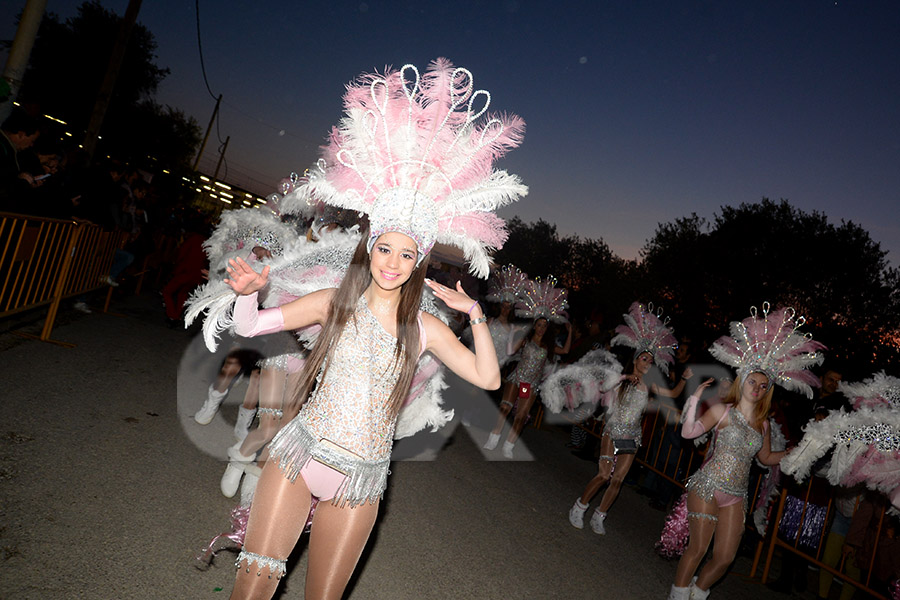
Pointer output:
508, 450
576, 516
231, 479
209, 409
492, 441
109, 281
597, 522
243, 423
83, 307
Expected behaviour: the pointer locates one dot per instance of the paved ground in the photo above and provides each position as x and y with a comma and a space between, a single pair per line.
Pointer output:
108, 490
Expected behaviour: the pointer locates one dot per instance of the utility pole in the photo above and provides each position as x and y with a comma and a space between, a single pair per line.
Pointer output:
109, 80
208, 129
20, 52
221, 158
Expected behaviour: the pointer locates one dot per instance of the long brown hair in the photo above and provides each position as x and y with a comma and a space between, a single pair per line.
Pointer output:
761, 410
343, 306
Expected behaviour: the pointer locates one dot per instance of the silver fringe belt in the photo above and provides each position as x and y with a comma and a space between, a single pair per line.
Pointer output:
294, 446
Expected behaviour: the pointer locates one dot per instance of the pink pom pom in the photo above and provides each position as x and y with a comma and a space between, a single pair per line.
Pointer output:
675, 534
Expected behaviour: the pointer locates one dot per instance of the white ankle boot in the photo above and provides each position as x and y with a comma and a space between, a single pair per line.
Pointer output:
211, 406
679, 593
492, 441
597, 520
231, 479
697, 593
243, 423
508, 450
576, 514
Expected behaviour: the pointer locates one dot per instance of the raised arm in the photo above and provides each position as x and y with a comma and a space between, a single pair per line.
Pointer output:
250, 321
565, 349
692, 427
479, 368
675, 391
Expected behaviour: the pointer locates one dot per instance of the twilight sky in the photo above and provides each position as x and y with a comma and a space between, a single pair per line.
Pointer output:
637, 112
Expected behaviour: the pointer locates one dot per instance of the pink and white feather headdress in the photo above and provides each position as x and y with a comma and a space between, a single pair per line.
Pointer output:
645, 331
541, 299
507, 284
772, 344
413, 152
880, 391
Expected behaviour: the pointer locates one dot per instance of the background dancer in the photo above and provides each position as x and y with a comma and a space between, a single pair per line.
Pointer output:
766, 350
627, 399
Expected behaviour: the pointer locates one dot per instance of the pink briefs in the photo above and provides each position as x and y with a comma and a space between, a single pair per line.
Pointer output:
723, 499
323, 481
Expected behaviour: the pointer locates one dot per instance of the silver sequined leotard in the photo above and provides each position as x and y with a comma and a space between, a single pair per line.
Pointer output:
350, 408
500, 337
728, 471
624, 418
531, 367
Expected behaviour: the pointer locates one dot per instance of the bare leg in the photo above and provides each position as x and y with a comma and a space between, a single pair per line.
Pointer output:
509, 394
728, 540
251, 396
277, 518
623, 464
272, 390
702, 531
336, 542
522, 411
231, 368
606, 467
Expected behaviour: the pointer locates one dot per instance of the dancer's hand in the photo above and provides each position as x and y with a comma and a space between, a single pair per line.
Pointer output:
703, 386
456, 299
243, 279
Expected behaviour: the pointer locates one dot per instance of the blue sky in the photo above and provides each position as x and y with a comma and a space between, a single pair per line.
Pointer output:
637, 112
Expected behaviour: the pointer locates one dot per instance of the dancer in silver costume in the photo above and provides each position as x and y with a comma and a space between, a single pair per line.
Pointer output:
412, 155
627, 397
766, 350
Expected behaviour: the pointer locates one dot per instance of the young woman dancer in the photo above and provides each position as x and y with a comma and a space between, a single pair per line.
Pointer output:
766, 351
543, 302
387, 159
627, 401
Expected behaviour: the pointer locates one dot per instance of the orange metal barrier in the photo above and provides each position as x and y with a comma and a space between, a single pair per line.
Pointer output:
793, 545
43, 261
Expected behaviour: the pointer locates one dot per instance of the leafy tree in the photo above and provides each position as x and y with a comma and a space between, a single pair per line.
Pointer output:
596, 278
67, 66
835, 275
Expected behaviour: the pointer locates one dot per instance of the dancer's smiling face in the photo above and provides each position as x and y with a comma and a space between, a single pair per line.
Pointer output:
393, 260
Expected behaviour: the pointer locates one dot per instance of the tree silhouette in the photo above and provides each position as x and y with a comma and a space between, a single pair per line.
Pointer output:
835, 275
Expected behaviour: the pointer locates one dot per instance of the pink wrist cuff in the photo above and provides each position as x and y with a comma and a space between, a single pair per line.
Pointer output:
692, 428
249, 321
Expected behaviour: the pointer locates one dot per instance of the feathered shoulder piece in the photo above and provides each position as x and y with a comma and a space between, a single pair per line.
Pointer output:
415, 152
646, 331
771, 343
506, 285
879, 391
239, 231
541, 299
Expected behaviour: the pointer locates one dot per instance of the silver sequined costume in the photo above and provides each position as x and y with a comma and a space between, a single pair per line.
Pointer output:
623, 420
732, 451
531, 367
349, 407
500, 336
